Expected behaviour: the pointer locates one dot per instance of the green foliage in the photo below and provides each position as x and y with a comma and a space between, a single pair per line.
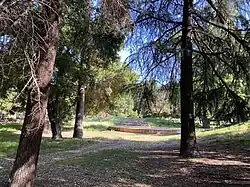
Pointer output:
9, 102
6, 103
153, 100
123, 105
107, 88
144, 96
63, 86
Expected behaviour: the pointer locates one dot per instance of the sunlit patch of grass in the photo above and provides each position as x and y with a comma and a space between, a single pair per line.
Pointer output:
49, 145
9, 138
116, 135
97, 126
162, 122
233, 130
96, 130
8, 148
97, 123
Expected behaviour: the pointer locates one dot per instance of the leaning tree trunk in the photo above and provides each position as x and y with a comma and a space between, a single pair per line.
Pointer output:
188, 137
54, 116
78, 128
25, 166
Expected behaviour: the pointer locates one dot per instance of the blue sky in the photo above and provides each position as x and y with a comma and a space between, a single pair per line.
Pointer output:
124, 54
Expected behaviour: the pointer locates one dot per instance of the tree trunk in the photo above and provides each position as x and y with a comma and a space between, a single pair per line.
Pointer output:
25, 166
54, 116
205, 120
78, 128
188, 137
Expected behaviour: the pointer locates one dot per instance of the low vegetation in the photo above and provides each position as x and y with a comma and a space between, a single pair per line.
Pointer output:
97, 128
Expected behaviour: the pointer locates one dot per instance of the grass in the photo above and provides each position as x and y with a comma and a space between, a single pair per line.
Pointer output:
96, 123
9, 135
117, 162
238, 135
161, 122
167, 122
106, 159
9, 138
50, 146
126, 164
227, 132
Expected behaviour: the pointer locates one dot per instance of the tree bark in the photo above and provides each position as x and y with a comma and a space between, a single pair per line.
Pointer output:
54, 116
78, 128
205, 120
25, 166
188, 137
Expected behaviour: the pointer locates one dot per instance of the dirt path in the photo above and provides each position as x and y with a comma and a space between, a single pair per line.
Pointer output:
104, 145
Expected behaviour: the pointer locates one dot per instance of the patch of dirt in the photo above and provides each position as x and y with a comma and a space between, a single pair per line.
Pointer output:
227, 166
158, 166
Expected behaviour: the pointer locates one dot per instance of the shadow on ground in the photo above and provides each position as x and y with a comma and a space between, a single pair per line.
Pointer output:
157, 167
223, 162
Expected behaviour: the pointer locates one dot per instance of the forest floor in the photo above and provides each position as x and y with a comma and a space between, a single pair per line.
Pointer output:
115, 159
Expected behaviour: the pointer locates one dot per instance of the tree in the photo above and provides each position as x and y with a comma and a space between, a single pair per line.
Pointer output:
219, 39
144, 97
220, 73
107, 90
96, 43
24, 169
53, 109
188, 137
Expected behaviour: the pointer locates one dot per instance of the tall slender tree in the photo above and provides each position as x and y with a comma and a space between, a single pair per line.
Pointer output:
98, 43
188, 137
25, 166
